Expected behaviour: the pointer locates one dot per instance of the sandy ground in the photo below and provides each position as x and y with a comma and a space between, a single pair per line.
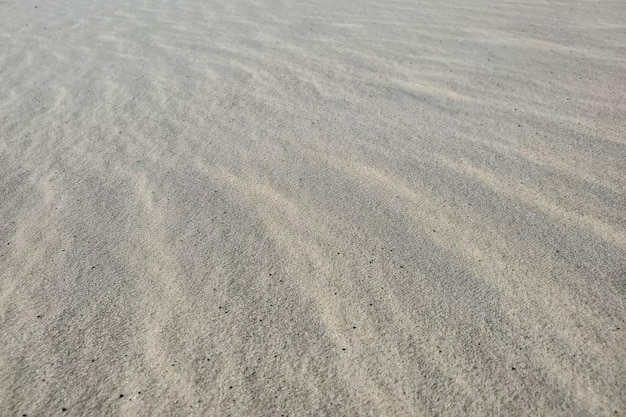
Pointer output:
342, 208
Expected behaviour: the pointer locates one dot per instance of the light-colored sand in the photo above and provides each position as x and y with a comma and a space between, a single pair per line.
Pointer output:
267, 208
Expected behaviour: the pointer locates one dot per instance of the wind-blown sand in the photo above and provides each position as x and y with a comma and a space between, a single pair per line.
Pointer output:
267, 208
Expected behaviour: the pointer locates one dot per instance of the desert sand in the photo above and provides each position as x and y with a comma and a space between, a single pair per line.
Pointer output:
306, 208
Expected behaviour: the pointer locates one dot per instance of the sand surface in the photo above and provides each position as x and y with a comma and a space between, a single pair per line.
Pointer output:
342, 208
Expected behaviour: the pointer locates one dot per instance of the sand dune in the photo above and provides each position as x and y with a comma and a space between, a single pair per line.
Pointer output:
313, 208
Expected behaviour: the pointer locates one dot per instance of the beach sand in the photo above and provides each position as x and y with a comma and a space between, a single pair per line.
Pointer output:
342, 208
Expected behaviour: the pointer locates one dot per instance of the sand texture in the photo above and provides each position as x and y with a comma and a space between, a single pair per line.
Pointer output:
308, 208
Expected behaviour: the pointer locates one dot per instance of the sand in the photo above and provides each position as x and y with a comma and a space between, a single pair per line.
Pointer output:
342, 208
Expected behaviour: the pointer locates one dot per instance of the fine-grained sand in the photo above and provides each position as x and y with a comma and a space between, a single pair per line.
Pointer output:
326, 207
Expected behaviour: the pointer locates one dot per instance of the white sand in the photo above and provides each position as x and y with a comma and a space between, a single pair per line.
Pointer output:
266, 208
